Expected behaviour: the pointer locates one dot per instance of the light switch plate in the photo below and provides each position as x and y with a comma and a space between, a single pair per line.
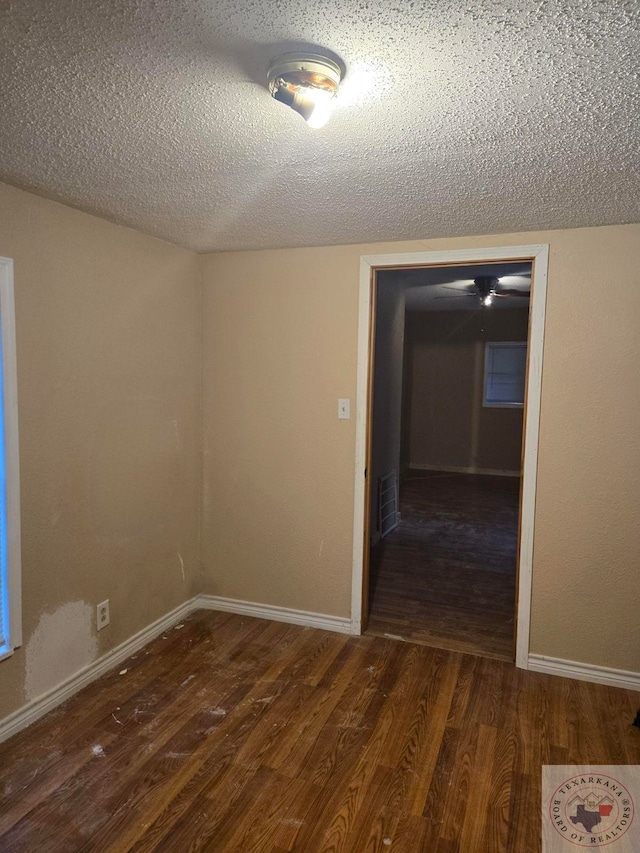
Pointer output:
344, 409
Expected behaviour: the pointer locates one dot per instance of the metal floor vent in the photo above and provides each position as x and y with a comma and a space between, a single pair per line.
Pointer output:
388, 515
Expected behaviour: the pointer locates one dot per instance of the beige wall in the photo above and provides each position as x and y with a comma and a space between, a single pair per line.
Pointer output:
108, 351
448, 425
278, 464
109, 379
280, 348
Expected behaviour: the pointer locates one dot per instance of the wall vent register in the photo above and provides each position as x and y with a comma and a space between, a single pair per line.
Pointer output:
388, 515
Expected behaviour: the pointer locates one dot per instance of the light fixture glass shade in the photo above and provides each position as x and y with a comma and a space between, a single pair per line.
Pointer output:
322, 106
307, 84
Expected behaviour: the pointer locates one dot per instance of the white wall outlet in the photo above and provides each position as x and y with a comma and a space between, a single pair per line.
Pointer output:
344, 409
102, 614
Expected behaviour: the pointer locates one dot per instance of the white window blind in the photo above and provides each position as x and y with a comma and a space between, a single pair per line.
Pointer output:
505, 368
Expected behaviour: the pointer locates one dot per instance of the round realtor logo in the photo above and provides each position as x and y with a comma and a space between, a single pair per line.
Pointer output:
591, 810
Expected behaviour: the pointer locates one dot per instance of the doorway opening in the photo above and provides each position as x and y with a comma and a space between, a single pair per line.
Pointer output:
448, 411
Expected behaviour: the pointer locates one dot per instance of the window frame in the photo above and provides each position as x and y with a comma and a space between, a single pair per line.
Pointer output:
502, 345
11, 569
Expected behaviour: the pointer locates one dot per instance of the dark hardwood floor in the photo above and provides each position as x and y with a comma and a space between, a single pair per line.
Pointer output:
446, 575
237, 734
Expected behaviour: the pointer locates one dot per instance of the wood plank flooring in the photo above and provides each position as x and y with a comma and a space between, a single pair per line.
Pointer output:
446, 575
237, 734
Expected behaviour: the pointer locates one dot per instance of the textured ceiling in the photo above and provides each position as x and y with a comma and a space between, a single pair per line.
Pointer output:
454, 118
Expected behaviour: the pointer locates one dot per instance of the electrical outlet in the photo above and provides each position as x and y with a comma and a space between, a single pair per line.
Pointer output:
102, 614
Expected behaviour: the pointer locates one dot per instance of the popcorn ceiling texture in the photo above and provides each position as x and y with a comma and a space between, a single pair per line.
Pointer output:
478, 118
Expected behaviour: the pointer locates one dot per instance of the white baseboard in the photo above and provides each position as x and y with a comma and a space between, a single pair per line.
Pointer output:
341, 624
37, 708
585, 672
452, 469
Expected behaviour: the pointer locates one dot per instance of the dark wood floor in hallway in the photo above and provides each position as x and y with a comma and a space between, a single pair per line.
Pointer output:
446, 576
240, 735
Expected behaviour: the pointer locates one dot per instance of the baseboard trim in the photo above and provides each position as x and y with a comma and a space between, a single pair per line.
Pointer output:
37, 708
585, 672
306, 618
453, 469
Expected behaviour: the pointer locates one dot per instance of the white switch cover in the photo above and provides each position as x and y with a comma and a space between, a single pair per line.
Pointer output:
344, 409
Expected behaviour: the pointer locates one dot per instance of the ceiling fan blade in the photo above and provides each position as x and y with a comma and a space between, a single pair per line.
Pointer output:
522, 294
461, 296
459, 289
515, 279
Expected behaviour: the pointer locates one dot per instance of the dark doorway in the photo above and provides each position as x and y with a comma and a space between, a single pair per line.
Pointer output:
448, 403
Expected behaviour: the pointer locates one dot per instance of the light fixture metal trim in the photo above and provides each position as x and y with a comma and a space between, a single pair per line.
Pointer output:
305, 82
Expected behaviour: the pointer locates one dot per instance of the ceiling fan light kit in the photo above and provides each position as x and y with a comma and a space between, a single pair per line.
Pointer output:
487, 288
307, 83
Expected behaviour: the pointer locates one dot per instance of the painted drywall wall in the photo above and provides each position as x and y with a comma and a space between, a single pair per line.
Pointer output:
448, 425
108, 354
280, 346
278, 501
109, 373
387, 391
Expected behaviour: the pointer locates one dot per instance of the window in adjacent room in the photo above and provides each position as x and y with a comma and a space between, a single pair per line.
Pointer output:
10, 599
505, 368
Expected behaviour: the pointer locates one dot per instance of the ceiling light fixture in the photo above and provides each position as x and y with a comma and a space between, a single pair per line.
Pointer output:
305, 82
486, 288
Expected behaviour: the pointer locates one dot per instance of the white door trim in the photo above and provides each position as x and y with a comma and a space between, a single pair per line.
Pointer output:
539, 256
11, 455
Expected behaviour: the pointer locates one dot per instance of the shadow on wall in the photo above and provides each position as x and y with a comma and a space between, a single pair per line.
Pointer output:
446, 424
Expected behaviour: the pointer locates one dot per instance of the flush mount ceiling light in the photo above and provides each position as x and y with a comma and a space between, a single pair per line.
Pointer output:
305, 82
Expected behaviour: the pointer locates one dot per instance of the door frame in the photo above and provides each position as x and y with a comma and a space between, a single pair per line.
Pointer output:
538, 256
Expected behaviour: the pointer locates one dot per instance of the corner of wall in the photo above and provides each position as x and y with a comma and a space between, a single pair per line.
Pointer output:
197, 585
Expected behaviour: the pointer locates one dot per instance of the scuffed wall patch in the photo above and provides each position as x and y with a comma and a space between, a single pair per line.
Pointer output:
62, 644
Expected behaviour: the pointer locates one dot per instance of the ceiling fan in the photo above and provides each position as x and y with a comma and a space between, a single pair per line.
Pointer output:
486, 288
